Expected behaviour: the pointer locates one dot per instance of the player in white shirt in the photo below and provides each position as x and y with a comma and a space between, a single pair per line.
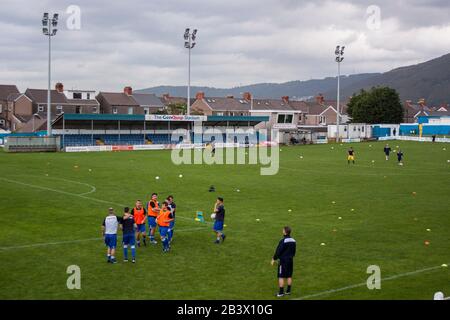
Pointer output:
109, 232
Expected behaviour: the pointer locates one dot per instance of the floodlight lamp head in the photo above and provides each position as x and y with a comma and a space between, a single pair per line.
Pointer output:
45, 31
54, 31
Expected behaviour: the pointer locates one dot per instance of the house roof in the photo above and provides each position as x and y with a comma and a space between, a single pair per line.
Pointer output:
417, 107
148, 100
314, 108
167, 99
83, 102
439, 113
40, 96
13, 96
271, 104
227, 104
299, 106
119, 99
6, 90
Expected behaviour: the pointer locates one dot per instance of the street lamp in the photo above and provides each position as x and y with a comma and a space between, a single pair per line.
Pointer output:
339, 52
49, 28
189, 43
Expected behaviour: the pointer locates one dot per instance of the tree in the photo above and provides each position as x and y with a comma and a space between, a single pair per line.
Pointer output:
379, 105
177, 108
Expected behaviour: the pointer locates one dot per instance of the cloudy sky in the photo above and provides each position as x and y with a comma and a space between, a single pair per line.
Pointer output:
140, 42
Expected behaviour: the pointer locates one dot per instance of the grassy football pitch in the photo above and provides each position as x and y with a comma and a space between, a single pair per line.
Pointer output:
371, 213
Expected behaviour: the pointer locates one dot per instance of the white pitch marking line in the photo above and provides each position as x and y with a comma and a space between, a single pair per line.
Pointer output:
76, 195
364, 283
93, 188
59, 191
76, 241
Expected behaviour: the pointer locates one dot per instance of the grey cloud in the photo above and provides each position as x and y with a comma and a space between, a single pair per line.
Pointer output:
140, 42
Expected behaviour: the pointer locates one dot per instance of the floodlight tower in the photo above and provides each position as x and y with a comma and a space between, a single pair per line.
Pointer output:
189, 43
339, 52
49, 29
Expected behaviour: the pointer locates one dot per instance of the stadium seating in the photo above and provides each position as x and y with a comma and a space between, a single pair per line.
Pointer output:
76, 140
114, 139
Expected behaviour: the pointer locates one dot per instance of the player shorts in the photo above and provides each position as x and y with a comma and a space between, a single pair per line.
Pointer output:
351, 158
163, 231
218, 225
141, 227
152, 222
129, 239
285, 268
111, 240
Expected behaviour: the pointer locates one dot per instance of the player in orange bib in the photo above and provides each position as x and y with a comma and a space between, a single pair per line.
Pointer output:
153, 212
164, 218
140, 216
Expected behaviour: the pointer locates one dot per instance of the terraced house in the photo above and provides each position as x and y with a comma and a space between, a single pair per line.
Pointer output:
293, 119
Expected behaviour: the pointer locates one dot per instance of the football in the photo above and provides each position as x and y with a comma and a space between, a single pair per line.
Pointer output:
213, 216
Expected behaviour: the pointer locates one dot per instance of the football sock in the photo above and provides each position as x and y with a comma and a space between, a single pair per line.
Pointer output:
125, 252
288, 289
281, 290
133, 252
165, 242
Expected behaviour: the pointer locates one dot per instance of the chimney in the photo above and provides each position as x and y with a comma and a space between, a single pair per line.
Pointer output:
247, 96
320, 98
285, 99
59, 87
166, 96
128, 90
422, 102
200, 95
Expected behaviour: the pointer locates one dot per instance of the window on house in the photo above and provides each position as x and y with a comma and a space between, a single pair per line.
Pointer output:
2, 122
322, 119
146, 110
78, 109
285, 118
362, 129
94, 109
219, 113
40, 108
59, 109
77, 95
114, 110
88, 96
130, 110
354, 128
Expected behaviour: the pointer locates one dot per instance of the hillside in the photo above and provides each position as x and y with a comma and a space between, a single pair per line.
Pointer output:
429, 80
